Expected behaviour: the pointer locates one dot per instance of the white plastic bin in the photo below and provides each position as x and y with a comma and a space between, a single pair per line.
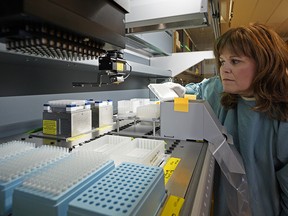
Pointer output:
141, 151
149, 111
106, 144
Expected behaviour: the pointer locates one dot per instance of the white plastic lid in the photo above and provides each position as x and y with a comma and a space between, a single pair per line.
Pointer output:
64, 103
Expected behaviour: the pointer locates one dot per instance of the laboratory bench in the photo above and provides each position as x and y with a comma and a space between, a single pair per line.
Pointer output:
188, 177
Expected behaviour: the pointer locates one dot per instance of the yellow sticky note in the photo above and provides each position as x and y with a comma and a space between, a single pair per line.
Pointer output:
169, 168
190, 96
181, 104
50, 127
173, 206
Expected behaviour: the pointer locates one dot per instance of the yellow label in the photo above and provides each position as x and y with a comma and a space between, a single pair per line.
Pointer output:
190, 96
172, 206
120, 66
76, 137
169, 168
50, 127
181, 104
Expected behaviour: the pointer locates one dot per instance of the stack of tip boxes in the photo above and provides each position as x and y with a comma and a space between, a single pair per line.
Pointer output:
17, 167
67, 118
149, 111
130, 189
127, 108
102, 113
49, 191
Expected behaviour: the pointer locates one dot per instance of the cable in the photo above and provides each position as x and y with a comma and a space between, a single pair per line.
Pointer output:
128, 74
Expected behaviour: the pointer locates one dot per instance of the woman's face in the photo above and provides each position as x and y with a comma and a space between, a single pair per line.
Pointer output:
237, 73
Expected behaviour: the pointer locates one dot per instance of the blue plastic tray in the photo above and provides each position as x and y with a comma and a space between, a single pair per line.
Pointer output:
130, 189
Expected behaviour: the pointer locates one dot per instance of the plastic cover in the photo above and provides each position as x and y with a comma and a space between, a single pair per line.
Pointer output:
231, 165
162, 91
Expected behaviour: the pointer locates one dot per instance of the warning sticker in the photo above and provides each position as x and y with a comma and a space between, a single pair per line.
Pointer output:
173, 206
169, 167
50, 127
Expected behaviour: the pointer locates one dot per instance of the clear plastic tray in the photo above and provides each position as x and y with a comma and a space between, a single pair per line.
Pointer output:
106, 144
141, 151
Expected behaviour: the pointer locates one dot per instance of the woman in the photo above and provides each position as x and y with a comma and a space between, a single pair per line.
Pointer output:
250, 99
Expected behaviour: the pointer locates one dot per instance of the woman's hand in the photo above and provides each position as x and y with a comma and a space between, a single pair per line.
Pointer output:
179, 89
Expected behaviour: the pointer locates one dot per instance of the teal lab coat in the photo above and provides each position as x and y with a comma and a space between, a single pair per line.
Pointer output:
263, 145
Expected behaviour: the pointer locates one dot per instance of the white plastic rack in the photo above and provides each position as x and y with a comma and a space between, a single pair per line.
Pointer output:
14, 169
48, 192
106, 144
12, 148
